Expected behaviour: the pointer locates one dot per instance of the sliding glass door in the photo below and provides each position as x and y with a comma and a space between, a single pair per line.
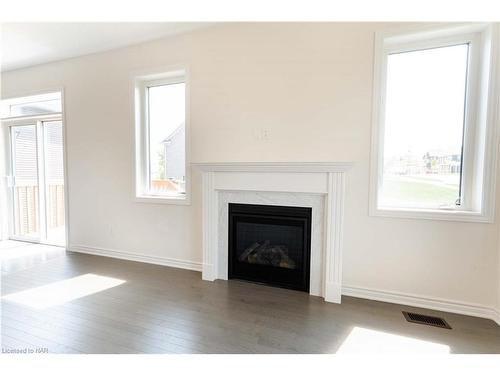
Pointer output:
25, 182
38, 182
54, 182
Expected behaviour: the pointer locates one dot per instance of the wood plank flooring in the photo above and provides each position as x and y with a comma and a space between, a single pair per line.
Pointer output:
165, 310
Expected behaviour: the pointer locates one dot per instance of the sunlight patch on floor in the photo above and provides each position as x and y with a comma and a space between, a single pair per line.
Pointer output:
369, 341
63, 291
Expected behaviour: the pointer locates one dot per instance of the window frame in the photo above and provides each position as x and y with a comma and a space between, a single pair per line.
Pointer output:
480, 130
22, 99
141, 82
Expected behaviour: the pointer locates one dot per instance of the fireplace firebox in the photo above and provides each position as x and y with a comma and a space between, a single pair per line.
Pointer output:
270, 245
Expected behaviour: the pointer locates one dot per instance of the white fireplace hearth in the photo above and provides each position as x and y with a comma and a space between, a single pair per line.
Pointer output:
319, 186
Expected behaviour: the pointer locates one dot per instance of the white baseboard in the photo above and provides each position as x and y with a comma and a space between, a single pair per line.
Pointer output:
169, 262
423, 302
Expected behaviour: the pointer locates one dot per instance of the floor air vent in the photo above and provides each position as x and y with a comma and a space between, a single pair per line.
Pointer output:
425, 319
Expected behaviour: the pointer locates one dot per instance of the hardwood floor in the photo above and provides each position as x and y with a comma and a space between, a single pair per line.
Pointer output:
17, 255
91, 304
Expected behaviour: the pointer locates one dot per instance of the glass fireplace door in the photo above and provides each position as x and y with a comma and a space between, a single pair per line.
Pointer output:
270, 245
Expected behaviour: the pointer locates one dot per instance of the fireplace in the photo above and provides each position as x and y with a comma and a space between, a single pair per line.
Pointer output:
319, 186
270, 245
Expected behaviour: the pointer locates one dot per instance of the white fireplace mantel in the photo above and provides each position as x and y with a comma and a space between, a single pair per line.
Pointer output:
324, 179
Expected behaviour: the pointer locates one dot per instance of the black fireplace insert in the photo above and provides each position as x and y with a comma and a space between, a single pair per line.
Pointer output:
270, 245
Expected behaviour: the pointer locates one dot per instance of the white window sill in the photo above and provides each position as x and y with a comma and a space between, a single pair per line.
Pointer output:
447, 215
171, 199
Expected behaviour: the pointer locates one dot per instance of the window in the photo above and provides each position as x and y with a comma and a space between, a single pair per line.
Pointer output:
423, 138
160, 103
42, 104
433, 126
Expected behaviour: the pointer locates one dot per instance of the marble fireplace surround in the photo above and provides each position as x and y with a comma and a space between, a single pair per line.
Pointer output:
320, 186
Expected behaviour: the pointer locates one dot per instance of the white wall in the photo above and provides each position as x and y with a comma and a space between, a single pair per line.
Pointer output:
309, 86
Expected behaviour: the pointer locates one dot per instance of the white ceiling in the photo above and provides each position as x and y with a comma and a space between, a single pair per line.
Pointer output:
28, 44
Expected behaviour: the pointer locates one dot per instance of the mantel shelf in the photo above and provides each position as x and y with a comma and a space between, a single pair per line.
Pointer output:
302, 167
